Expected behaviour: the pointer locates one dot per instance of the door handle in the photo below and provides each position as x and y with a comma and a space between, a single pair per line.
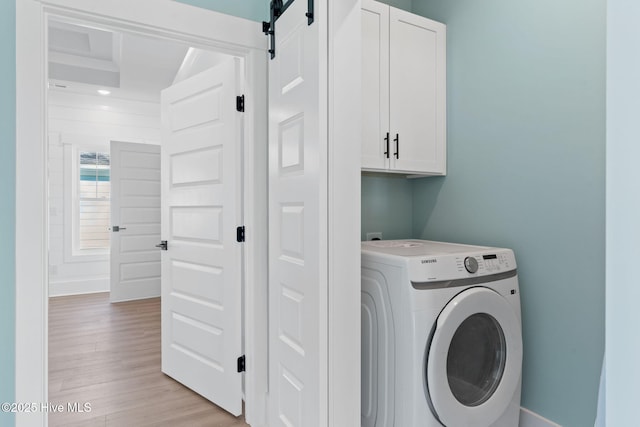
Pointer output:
117, 228
163, 245
386, 140
397, 141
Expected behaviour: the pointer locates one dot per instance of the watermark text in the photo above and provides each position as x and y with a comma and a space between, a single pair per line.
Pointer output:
46, 407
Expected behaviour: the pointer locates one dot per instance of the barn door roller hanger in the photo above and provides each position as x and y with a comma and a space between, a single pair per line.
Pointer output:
277, 8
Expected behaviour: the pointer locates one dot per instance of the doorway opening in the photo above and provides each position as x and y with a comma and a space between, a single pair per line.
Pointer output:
103, 89
85, 61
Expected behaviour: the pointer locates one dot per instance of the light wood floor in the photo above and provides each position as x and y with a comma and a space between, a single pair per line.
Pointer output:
108, 355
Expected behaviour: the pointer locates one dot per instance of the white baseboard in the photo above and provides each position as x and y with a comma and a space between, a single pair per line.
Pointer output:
531, 419
77, 287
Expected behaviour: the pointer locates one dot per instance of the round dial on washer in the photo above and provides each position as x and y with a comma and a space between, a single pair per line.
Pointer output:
471, 264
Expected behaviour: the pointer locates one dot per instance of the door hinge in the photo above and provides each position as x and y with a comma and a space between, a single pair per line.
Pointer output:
240, 234
240, 103
241, 364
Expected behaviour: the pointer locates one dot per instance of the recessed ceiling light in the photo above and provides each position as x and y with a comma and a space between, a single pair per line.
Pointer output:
104, 92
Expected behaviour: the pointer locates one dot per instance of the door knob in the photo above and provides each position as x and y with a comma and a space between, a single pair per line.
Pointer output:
163, 245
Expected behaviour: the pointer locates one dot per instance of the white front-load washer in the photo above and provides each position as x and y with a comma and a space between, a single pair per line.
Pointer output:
441, 335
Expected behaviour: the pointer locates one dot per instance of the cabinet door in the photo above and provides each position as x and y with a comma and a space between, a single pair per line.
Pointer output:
375, 84
417, 93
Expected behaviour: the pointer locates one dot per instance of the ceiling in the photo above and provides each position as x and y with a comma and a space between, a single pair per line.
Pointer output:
83, 59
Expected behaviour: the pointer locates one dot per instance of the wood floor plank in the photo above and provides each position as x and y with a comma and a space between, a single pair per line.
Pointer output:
108, 355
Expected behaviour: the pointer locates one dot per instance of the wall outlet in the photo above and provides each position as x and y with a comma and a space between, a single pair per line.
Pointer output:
376, 235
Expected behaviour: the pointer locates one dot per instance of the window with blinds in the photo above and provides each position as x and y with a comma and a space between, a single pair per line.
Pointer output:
94, 203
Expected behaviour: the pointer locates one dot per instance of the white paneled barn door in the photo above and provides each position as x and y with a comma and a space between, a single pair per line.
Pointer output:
297, 222
201, 210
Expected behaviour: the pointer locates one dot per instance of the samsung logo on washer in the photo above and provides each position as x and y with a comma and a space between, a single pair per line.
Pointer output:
429, 261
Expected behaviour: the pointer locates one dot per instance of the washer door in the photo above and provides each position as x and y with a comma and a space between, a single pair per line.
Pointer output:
474, 362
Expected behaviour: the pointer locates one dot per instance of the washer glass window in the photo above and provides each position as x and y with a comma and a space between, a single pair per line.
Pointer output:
476, 359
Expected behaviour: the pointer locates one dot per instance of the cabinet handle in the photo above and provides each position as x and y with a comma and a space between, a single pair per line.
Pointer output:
397, 141
386, 140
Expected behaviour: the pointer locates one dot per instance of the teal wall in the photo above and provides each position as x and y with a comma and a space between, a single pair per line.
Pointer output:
7, 207
400, 4
384, 206
256, 10
526, 147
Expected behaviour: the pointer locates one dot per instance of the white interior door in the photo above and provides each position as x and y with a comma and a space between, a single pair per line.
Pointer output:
201, 208
135, 219
297, 222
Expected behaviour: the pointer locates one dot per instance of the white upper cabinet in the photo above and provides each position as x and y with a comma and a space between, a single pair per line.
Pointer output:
404, 92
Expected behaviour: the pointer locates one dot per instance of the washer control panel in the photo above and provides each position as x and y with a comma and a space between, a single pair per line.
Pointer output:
485, 263
461, 265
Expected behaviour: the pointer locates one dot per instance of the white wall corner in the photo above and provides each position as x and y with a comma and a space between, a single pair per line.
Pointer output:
531, 419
